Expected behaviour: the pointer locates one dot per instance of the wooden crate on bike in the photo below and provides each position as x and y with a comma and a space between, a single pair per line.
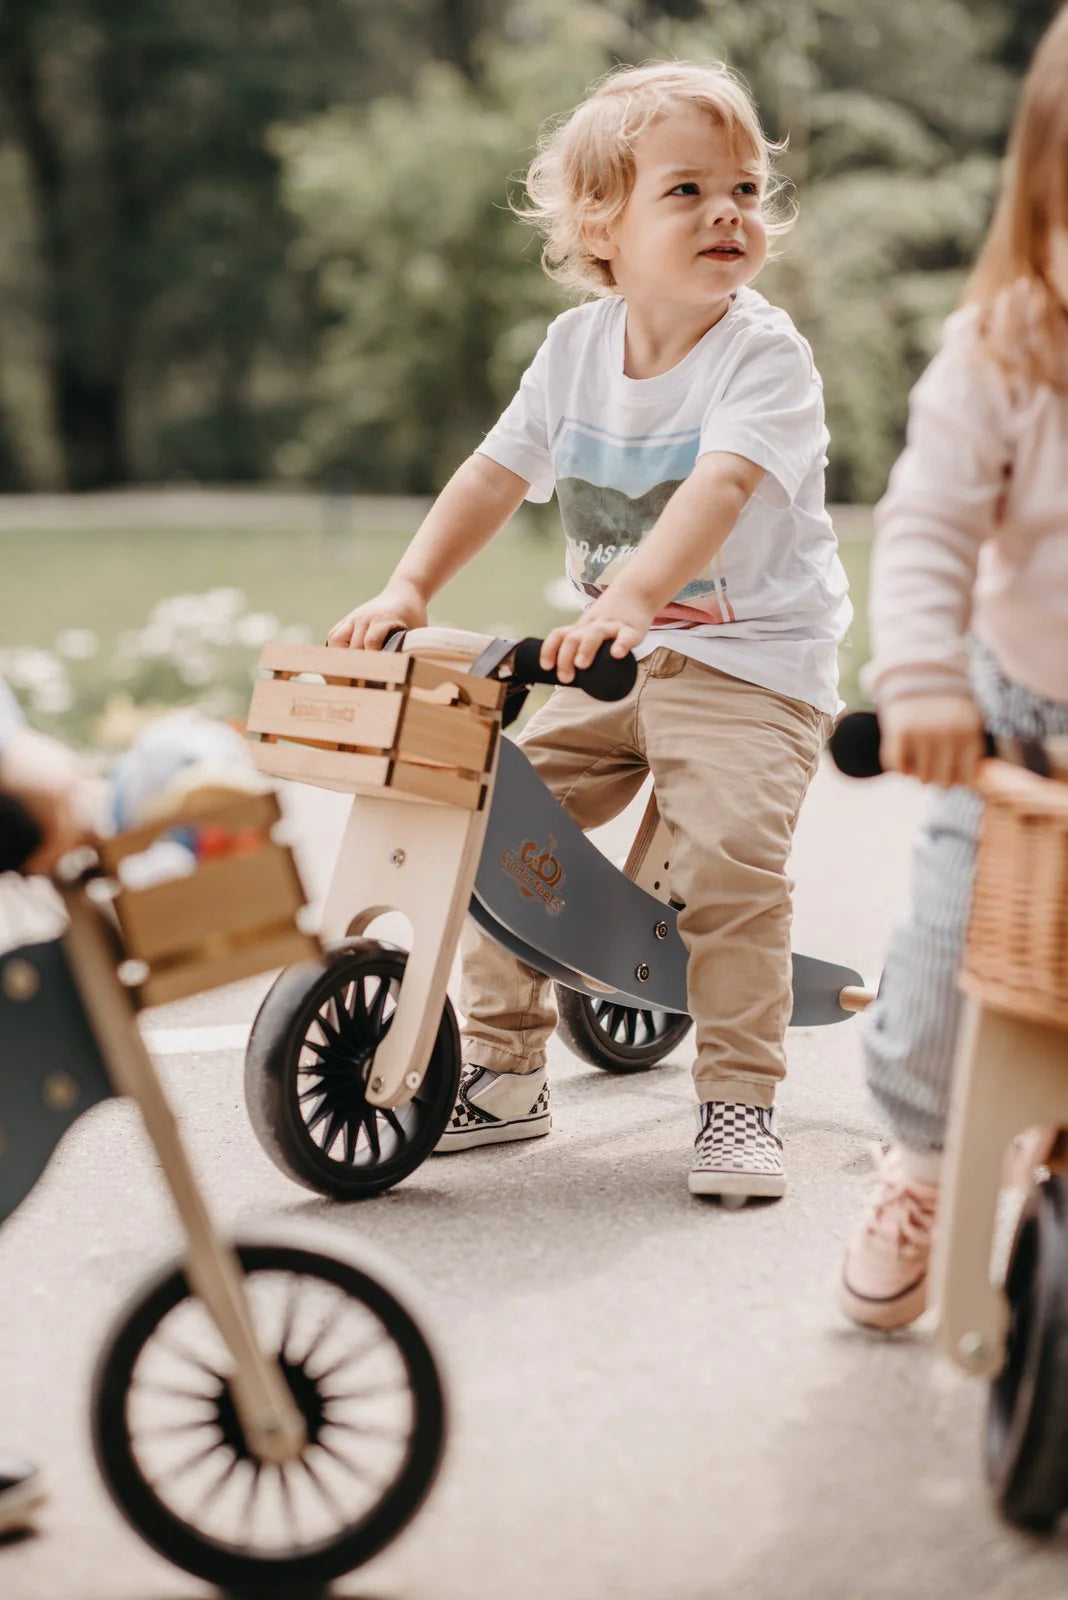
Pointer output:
1016, 958
364, 721
233, 916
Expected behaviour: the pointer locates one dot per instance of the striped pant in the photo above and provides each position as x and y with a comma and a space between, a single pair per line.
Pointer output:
911, 1029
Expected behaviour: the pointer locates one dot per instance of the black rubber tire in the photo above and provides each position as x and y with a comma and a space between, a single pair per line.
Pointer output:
589, 1028
1027, 1413
273, 1071
230, 1567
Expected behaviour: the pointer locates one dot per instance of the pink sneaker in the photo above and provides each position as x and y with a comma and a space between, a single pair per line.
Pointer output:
884, 1277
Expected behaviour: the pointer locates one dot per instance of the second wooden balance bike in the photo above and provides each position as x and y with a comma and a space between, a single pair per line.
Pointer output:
267, 1412
353, 1062
1011, 1078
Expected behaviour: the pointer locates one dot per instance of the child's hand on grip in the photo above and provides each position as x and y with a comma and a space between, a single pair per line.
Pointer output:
370, 625
937, 738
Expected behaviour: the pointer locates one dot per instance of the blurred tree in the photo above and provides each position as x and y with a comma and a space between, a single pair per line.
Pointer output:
895, 110
161, 243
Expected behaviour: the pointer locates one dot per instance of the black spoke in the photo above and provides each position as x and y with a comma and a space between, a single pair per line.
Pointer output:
376, 1009
351, 1135
333, 1128
213, 1488
324, 1489
174, 1392
165, 1430
394, 1122
325, 1329
358, 1354
374, 1393
320, 1114
289, 1316
287, 1500
356, 1470
188, 1464
182, 1352
370, 1122
368, 1430
245, 1524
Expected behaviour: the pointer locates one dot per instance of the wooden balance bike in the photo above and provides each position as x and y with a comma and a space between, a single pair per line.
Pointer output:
267, 1413
1011, 1075
353, 1063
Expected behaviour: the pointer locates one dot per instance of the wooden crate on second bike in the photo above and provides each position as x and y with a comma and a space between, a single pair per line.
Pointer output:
364, 721
233, 916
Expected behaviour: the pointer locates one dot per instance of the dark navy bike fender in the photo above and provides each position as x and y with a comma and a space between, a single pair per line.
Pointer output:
549, 895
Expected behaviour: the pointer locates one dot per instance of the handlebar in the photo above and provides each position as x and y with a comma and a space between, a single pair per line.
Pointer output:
608, 677
20, 835
854, 747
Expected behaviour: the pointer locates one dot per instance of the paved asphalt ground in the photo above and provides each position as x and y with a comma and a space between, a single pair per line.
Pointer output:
652, 1399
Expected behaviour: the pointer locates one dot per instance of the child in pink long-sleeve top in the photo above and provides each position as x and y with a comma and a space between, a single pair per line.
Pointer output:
970, 629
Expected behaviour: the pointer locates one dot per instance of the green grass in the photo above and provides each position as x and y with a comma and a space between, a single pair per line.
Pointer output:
108, 580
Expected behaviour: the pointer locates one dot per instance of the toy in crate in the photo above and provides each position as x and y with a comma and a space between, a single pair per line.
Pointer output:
267, 1412
353, 1063
1011, 1075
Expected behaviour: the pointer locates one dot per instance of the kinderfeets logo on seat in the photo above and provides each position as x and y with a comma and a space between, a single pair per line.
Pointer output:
537, 872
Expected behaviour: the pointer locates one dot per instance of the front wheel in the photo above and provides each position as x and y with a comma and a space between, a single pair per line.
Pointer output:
169, 1442
1027, 1414
616, 1037
309, 1057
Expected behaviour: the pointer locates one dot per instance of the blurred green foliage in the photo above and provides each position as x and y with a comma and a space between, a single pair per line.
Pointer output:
249, 240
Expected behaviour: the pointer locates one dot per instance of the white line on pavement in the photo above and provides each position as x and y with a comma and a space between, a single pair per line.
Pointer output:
191, 1041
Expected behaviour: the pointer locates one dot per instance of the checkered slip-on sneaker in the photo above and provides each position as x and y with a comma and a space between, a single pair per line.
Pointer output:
497, 1108
737, 1153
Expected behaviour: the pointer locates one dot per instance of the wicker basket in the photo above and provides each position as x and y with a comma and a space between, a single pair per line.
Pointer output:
1016, 958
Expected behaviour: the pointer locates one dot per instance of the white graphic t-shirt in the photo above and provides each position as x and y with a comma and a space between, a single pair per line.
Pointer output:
773, 604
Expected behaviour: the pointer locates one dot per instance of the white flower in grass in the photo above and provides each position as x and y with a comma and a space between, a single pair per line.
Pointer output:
223, 602
154, 641
51, 699
296, 633
196, 670
256, 629
77, 644
33, 669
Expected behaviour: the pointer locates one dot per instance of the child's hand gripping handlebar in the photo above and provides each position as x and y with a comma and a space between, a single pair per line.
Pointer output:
608, 677
854, 747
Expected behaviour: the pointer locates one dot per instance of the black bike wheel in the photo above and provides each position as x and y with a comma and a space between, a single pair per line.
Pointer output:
171, 1449
309, 1057
616, 1037
1027, 1414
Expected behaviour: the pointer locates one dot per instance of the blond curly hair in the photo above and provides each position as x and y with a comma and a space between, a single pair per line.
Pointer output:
583, 173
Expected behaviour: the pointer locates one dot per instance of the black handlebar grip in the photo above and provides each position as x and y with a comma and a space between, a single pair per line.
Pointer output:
854, 744
20, 836
608, 677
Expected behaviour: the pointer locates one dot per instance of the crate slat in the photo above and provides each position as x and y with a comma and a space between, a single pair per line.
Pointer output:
331, 661
223, 898
176, 982
324, 712
435, 783
328, 769
251, 811
449, 736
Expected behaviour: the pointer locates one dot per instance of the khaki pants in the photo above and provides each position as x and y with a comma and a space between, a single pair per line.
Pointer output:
731, 763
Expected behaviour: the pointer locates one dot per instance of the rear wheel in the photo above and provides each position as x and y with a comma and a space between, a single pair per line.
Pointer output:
309, 1059
617, 1037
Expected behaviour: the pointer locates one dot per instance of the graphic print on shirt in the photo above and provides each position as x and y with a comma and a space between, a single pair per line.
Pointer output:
611, 490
